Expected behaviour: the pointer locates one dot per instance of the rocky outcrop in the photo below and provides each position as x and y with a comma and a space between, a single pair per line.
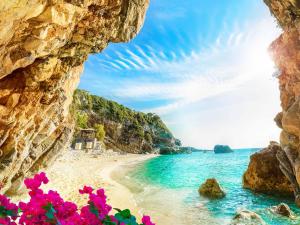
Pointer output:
126, 130
211, 189
283, 210
247, 217
286, 55
264, 175
174, 150
43, 45
218, 149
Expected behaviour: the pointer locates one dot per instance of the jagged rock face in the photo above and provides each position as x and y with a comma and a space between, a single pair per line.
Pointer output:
264, 175
286, 54
43, 44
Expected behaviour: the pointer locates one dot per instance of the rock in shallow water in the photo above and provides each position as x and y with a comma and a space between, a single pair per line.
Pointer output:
247, 217
283, 210
211, 189
264, 175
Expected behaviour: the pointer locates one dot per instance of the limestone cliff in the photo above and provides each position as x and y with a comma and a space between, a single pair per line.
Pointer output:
43, 44
126, 130
286, 54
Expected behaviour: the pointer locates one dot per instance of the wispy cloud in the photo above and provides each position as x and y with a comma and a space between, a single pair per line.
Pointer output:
183, 77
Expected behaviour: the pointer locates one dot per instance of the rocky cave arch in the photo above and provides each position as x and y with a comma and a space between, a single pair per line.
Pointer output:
43, 45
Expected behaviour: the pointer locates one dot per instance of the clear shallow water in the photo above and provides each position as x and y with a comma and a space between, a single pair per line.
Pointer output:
171, 183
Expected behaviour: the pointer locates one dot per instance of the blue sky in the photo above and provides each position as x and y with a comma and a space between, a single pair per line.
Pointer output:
203, 66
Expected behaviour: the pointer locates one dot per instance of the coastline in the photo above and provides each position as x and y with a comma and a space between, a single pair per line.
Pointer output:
74, 169
164, 205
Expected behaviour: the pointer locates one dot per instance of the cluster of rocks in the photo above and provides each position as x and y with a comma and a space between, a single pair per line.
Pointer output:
212, 189
247, 217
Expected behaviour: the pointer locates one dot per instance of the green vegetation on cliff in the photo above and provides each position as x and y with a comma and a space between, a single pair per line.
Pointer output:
123, 128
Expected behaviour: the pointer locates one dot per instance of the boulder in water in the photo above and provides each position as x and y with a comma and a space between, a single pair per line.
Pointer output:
222, 149
264, 174
211, 189
247, 217
283, 210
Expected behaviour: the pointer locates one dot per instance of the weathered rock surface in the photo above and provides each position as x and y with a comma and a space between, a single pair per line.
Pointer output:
247, 217
264, 175
283, 210
43, 45
219, 149
286, 54
211, 189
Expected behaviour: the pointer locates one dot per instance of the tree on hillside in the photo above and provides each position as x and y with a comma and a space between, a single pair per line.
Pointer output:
100, 132
82, 120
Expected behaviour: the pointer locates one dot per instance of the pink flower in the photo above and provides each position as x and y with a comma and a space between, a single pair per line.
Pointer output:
86, 190
9, 211
51, 209
147, 221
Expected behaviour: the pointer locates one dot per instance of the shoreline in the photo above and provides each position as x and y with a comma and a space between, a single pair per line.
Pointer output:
74, 169
119, 195
164, 205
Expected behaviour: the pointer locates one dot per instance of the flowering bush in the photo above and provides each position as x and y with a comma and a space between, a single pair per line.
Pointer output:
50, 209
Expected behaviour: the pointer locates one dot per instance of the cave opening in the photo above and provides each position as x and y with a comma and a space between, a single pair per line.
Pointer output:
200, 77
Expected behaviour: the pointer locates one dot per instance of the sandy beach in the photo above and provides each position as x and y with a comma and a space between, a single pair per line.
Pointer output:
74, 169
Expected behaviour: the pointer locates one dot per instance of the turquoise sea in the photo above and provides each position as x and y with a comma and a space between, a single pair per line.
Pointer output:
167, 188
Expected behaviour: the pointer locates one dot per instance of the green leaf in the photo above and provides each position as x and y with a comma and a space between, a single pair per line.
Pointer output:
107, 221
93, 209
9, 213
126, 213
126, 217
2, 211
50, 211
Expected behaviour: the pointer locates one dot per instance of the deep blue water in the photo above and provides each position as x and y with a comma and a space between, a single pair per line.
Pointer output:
187, 172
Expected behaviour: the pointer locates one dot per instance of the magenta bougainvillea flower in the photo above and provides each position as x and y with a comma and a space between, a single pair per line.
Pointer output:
50, 208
